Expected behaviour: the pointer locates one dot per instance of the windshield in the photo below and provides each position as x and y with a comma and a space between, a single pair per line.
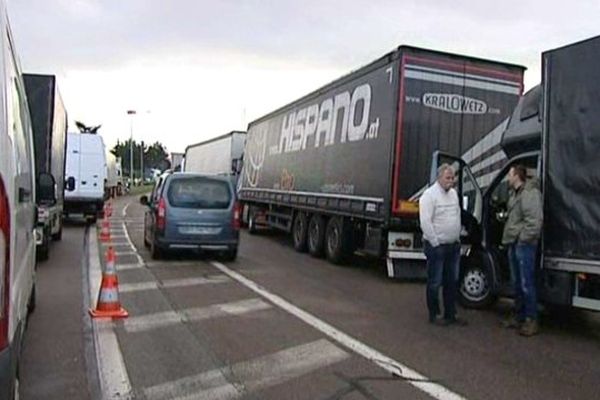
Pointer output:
199, 192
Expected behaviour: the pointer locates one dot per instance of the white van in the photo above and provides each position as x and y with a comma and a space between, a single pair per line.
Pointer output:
17, 213
86, 175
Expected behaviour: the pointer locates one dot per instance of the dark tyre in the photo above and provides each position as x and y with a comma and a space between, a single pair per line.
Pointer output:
91, 219
155, 252
337, 241
43, 251
252, 229
316, 235
32, 300
146, 242
230, 255
57, 237
300, 232
476, 282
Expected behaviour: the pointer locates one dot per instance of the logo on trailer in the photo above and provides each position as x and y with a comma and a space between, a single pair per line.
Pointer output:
256, 147
454, 103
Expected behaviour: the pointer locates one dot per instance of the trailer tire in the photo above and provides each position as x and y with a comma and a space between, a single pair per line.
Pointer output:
252, 229
476, 282
300, 232
337, 241
316, 235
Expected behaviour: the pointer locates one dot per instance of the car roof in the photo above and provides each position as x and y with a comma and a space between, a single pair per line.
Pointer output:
221, 178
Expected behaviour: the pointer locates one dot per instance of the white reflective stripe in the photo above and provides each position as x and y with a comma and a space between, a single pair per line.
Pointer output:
407, 255
461, 74
494, 87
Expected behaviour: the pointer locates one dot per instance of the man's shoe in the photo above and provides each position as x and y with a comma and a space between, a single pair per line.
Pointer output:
455, 321
529, 328
512, 323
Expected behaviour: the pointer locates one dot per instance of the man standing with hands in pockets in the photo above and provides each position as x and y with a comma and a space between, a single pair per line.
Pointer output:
439, 215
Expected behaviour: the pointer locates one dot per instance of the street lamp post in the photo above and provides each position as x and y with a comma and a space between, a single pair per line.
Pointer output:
142, 161
131, 113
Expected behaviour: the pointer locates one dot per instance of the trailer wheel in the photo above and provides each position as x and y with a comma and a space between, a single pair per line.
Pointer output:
300, 232
476, 283
337, 241
252, 221
316, 235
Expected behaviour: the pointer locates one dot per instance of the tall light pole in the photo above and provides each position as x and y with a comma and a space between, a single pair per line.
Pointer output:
142, 161
131, 113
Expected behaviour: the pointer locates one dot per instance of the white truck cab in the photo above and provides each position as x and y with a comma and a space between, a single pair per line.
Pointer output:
17, 213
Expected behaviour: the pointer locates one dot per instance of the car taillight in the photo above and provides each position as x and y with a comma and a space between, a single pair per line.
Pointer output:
236, 221
161, 217
4, 265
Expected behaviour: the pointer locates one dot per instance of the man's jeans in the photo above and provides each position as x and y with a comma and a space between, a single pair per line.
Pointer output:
521, 257
442, 270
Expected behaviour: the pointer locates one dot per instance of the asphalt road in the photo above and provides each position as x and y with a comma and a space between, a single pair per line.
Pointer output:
194, 331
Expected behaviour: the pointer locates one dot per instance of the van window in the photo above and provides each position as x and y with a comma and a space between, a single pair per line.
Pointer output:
199, 192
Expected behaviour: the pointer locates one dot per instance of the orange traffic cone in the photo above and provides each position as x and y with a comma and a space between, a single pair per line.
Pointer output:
105, 230
108, 305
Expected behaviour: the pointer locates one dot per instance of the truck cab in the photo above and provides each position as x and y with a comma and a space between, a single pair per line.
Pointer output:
554, 132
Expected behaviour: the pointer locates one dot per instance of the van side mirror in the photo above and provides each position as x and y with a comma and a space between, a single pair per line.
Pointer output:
144, 200
46, 190
70, 186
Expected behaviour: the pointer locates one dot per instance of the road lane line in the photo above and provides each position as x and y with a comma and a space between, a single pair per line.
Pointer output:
114, 380
256, 374
162, 319
126, 267
411, 376
126, 233
172, 283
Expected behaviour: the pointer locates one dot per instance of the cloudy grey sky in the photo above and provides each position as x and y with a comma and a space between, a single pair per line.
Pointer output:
198, 69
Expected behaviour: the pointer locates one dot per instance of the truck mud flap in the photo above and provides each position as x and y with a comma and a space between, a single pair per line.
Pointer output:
406, 269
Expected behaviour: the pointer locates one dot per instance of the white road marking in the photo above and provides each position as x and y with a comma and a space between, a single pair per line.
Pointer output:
253, 375
139, 258
114, 380
125, 267
411, 376
172, 283
159, 320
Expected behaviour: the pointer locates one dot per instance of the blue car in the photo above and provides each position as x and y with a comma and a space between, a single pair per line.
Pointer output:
192, 211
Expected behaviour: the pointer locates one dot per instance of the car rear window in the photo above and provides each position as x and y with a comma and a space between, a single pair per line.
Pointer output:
199, 192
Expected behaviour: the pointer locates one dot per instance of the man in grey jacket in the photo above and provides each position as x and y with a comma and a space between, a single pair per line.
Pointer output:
521, 235
439, 216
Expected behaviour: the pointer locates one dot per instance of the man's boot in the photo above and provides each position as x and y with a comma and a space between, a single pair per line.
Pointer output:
529, 328
511, 322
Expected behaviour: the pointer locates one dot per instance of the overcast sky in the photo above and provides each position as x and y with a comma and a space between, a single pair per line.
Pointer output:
198, 69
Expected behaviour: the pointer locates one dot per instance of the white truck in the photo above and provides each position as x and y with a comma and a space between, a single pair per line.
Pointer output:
221, 155
114, 175
49, 122
86, 175
17, 214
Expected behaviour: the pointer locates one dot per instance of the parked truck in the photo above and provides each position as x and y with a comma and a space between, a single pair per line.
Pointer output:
49, 122
114, 175
221, 155
555, 133
341, 168
86, 175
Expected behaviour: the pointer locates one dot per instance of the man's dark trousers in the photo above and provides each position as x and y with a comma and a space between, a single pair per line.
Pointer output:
442, 270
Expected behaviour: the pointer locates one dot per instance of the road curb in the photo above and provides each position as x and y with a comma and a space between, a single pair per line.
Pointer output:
112, 373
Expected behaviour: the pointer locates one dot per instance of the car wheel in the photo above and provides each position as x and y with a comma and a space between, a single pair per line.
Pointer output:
316, 235
336, 241
476, 283
230, 255
155, 251
43, 251
57, 237
300, 232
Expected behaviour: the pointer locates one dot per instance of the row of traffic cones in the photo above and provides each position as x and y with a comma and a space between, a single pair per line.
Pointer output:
108, 304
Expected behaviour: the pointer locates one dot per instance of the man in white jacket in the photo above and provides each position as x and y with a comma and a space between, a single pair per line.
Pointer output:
439, 215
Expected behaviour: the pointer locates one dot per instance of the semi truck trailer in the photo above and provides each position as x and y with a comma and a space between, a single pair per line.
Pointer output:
342, 168
221, 155
49, 122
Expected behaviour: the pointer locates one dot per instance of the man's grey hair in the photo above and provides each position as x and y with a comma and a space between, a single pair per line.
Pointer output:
443, 168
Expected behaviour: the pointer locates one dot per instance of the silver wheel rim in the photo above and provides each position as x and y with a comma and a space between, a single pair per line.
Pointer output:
474, 285
314, 233
298, 231
333, 239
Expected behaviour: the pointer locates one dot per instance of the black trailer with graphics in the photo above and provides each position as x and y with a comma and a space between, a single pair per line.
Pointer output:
342, 167
555, 133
